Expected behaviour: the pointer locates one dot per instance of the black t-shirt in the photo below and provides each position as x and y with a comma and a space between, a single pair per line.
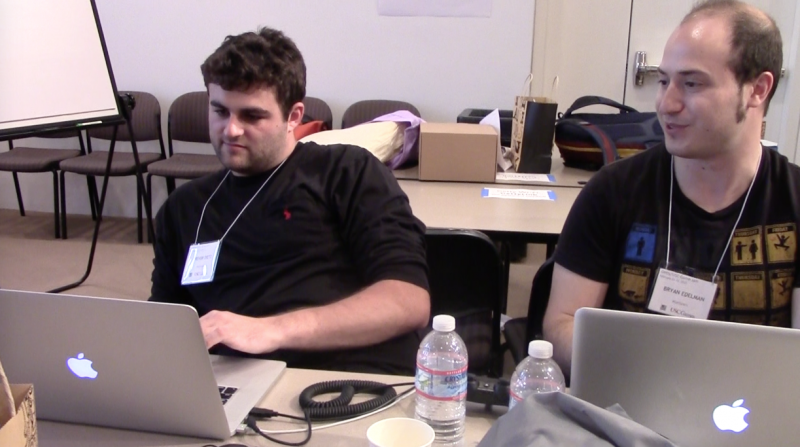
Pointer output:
330, 222
616, 233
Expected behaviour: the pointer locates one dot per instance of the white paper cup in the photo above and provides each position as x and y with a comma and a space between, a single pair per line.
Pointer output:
400, 432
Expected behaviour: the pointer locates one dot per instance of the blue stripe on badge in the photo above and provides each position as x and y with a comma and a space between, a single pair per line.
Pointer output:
485, 192
551, 177
551, 194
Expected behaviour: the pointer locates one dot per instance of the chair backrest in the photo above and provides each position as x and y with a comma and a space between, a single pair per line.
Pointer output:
540, 295
145, 120
317, 110
466, 281
188, 119
365, 111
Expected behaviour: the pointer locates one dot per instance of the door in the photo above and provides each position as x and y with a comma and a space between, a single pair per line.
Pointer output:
652, 21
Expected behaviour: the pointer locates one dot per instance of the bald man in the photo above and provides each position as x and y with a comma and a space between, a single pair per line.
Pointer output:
658, 232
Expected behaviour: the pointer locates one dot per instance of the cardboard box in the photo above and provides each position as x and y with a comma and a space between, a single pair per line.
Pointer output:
20, 430
458, 152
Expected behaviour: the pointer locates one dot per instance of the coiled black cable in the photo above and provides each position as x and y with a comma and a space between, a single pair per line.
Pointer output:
340, 407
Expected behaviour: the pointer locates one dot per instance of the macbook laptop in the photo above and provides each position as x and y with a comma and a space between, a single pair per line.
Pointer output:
126, 364
698, 383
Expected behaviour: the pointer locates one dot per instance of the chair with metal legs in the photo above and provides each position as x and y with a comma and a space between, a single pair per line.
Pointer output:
28, 159
146, 123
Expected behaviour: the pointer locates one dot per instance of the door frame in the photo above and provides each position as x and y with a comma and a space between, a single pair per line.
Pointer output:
547, 29
790, 122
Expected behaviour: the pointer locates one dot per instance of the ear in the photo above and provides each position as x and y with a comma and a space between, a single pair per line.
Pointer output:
762, 85
295, 116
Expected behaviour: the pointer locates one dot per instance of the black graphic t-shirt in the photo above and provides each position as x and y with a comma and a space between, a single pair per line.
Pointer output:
616, 233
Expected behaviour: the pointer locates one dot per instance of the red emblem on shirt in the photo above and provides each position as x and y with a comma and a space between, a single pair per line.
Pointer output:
286, 214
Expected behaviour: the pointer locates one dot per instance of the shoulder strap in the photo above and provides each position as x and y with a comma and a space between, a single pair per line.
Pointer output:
606, 144
586, 101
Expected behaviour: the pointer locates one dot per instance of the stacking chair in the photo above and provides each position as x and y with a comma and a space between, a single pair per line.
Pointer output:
317, 110
146, 122
188, 122
465, 276
30, 159
520, 331
365, 111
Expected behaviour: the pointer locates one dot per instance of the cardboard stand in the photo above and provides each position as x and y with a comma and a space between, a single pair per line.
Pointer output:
17, 414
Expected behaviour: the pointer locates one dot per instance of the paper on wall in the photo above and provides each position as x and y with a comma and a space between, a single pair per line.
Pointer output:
435, 8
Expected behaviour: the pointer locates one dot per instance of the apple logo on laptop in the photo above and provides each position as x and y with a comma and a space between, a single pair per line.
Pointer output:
81, 367
731, 417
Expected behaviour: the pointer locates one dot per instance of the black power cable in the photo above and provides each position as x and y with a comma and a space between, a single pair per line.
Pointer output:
337, 408
261, 413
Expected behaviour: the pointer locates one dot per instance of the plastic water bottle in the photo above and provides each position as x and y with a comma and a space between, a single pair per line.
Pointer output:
441, 381
538, 373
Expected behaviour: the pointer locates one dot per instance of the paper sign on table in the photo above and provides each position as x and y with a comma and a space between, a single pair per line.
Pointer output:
522, 194
520, 177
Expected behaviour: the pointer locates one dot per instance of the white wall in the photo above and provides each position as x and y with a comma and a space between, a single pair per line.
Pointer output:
441, 65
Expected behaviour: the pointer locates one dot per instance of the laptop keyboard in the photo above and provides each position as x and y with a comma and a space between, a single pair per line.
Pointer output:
225, 392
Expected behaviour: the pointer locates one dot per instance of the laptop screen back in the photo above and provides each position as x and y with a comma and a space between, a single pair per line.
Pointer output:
697, 382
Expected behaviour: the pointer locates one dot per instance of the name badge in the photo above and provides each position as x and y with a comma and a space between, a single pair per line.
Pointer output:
201, 262
682, 295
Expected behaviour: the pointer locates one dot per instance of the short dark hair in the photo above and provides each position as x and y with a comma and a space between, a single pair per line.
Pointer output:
264, 59
756, 44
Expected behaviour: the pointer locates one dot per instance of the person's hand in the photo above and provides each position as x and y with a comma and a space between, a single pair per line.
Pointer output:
245, 334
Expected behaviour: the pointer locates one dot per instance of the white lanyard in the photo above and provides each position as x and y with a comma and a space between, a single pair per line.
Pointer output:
682, 295
201, 260
669, 221
240, 212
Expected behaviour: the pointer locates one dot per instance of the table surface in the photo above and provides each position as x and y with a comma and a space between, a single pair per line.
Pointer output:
565, 177
282, 398
460, 205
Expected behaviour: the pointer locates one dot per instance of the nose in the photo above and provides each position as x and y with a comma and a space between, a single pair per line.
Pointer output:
669, 100
233, 128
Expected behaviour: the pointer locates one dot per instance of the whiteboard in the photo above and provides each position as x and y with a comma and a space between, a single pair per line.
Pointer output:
54, 67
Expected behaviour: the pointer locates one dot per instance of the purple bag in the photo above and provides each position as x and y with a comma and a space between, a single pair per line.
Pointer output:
410, 150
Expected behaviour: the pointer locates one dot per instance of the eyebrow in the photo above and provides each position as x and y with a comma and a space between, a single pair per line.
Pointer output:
250, 110
684, 72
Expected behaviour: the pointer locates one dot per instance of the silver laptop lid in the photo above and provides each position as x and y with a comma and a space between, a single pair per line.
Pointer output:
118, 363
697, 382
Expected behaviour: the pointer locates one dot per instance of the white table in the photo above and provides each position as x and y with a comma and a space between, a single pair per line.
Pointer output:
460, 205
565, 177
282, 398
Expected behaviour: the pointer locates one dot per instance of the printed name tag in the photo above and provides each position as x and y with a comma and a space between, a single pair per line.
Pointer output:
682, 295
201, 262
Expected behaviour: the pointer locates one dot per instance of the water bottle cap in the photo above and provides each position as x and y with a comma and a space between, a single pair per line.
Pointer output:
540, 349
444, 323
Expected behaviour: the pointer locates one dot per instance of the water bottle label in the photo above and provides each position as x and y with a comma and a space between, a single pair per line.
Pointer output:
441, 385
514, 400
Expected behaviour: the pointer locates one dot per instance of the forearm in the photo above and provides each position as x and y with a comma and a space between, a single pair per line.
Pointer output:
558, 331
568, 293
382, 311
